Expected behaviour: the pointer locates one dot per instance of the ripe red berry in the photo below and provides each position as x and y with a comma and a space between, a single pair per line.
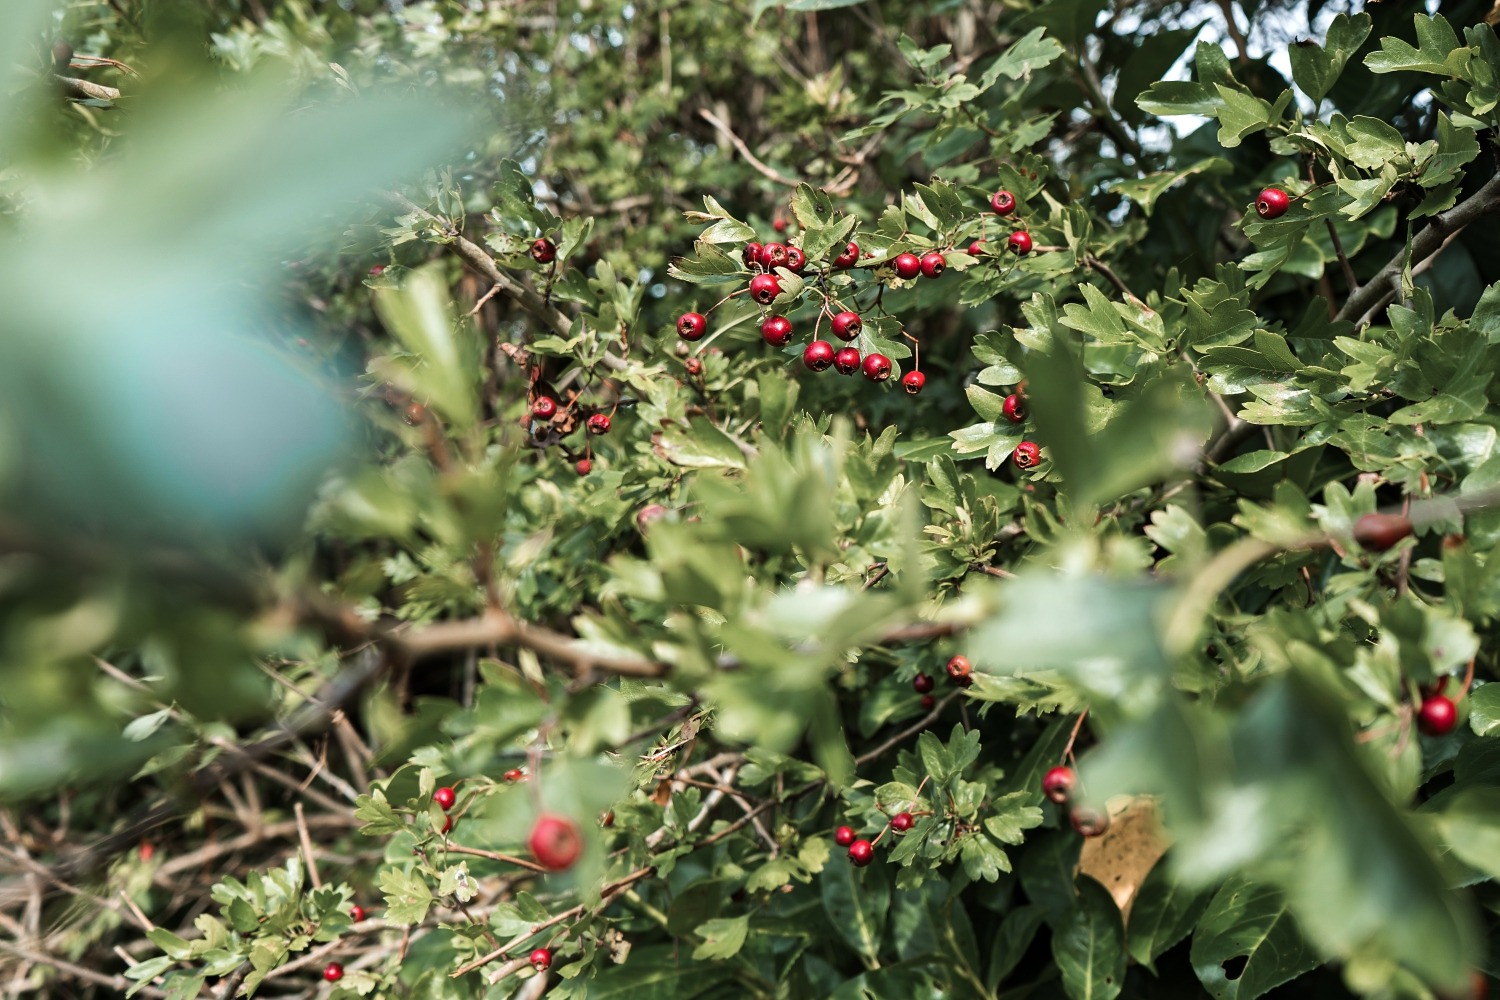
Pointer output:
776, 330
764, 288
922, 683
848, 258
1089, 822
356, 913
599, 423
818, 356
515, 773
861, 852
843, 836
445, 797
1437, 716
447, 823
912, 382
977, 247
333, 972
751, 255
959, 668
928, 701
1003, 202
846, 360
846, 325
541, 959
933, 264
415, 414
1019, 242
1058, 784
779, 224
902, 821
877, 367
796, 260
1378, 532
1026, 455
1272, 203
583, 467
543, 407
693, 366
691, 326
555, 842
774, 255
1014, 408
908, 265
543, 251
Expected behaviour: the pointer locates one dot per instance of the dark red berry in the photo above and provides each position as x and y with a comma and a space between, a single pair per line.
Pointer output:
333, 972
693, 366
843, 836
774, 255
447, 823
927, 701
779, 224
796, 260
902, 821
1087, 821
543, 251
764, 288
541, 959
599, 423
933, 264
877, 367
818, 356
846, 360
1019, 242
1438, 715
1026, 455
908, 265
555, 842
846, 325
1003, 202
1378, 532
922, 683
415, 414
583, 467
1014, 408
445, 797
848, 258
861, 852
1272, 203
543, 407
1058, 784
356, 913
913, 382
751, 255
691, 326
776, 330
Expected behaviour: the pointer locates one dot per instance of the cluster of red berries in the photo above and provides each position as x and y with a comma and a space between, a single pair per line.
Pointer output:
1059, 785
542, 414
764, 260
862, 850
445, 797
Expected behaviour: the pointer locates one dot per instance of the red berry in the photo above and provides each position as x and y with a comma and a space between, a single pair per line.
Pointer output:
333, 972
541, 959
922, 683
1437, 716
445, 797
818, 356
848, 258
378, 270
776, 330
515, 773
752, 254
555, 842
1003, 202
902, 821
691, 326
933, 264
846, 360
764, 288
693, 366
583, 467
908, 265
977, 247
356, 913
861, 852
877, 367
912, 382
1378, 532
928, 701
543, 407
779, 224
843, 836
796, 260
1058, 784
1019, 242
415, 414
1014, 408
1089, 822
599, 423
1026, 455
1272, 203
447, 823
543, 251
774, 255
846, 325
960, 671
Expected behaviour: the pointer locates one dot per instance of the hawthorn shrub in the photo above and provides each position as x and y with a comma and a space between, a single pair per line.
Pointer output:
784, 500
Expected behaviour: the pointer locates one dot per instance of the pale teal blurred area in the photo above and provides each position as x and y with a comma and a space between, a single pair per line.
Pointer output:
139, 382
